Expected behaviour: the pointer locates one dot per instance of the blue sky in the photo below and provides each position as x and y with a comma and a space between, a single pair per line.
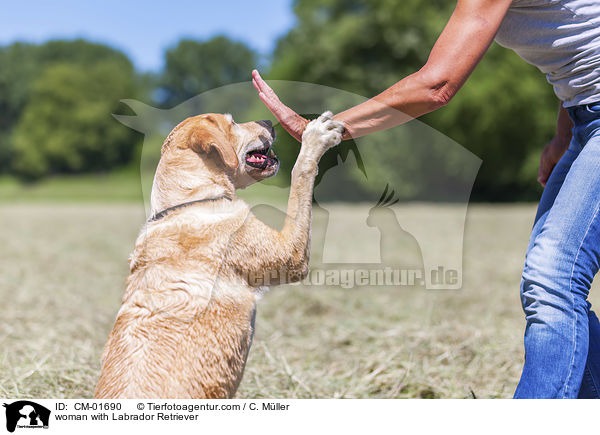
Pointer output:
143, 30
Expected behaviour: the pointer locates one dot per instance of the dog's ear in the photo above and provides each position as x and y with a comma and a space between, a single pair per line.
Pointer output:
206, 140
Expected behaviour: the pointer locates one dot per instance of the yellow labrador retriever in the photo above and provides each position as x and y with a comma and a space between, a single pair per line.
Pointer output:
186, 323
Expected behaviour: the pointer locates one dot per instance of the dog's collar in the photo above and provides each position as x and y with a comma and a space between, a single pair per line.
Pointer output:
166, 211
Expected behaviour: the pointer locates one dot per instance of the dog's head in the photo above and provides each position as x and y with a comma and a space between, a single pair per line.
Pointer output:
243, 151
211, 153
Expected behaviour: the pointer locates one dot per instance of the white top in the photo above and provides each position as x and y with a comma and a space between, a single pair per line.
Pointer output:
561, 38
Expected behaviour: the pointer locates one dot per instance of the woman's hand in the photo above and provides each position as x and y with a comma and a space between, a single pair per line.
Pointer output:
290, 120
557, 146
551, 154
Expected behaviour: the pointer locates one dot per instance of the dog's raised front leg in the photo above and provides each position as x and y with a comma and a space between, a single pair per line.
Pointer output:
270, 257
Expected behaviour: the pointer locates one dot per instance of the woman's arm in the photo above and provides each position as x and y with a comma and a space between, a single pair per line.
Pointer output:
458, 50
462, 44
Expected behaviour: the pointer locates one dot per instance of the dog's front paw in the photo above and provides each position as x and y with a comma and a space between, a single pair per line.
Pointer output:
321, 134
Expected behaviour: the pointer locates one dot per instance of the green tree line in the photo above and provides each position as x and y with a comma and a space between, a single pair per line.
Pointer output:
56, 98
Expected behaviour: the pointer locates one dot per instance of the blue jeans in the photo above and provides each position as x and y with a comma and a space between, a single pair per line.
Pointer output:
562, 336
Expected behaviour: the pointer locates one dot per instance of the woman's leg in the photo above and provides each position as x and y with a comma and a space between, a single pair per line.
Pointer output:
590, 385
562, 259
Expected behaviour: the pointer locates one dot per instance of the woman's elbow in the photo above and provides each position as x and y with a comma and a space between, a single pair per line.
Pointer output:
440, 93
438, 89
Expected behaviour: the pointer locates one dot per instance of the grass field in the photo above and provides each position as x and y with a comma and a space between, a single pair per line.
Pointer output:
62, 276
117, 186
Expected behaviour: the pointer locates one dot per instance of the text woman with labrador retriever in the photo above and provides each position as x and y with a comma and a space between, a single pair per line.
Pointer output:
561, 38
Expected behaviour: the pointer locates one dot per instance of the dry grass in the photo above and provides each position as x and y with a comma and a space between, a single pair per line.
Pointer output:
61, 280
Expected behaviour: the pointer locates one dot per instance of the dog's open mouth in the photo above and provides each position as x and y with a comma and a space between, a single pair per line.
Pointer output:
261, 159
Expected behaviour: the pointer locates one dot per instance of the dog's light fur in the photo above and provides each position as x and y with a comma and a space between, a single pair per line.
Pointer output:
186, 323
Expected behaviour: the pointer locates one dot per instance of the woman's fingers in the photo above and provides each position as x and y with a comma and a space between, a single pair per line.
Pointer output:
268, 97
262, 86
542, 179
543, 171
255, 78
289, 119
551, 154
546, 169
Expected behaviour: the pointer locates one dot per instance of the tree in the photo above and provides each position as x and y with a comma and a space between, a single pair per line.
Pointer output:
193, 67
67, 125
18, 66
22, 65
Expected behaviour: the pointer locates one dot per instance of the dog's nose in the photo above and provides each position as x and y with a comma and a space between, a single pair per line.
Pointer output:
266, 124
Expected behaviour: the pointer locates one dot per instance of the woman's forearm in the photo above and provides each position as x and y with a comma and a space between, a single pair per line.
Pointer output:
407, 99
